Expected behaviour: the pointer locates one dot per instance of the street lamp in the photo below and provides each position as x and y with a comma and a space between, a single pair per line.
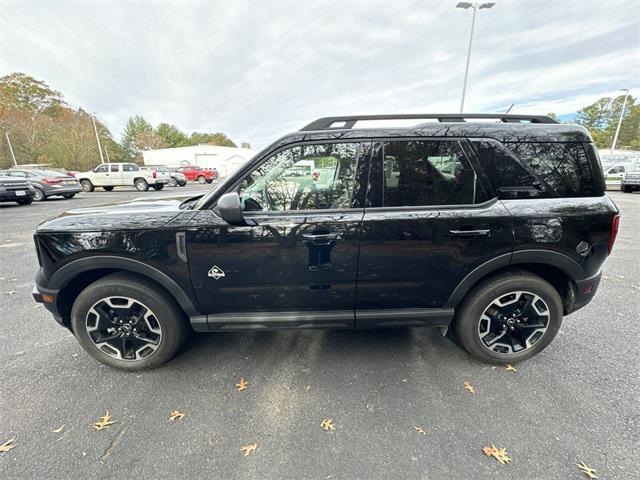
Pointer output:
624, 104
476, 6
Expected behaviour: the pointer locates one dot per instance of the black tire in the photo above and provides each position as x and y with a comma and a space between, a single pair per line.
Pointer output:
173, 182
201, 179
626, 189
182, 184
39, 195
165, 313
158, 187
141, 185
25, 201
69, 195
108, 189
468, 326
87, 186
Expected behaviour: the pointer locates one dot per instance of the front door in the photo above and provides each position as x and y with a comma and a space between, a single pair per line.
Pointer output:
101, 176
428, 223
297, 265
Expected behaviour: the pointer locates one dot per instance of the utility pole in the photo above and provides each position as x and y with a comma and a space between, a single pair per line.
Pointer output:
475, 6
93, 119
624, 104
15, 164
106, 152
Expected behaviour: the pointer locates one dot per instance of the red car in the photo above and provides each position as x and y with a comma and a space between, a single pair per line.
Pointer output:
199, 174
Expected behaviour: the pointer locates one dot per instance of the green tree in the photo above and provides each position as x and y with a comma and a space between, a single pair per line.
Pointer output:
554, 116
139, 135
19, 91
171, 135
601, 119
217, 138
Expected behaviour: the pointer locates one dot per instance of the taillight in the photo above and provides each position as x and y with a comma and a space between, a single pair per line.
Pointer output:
52, 181
615, 223
154, 174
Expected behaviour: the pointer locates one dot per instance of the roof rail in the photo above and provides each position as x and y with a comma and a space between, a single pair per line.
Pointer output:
348, 122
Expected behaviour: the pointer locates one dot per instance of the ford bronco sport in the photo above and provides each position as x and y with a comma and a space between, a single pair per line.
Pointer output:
491, 227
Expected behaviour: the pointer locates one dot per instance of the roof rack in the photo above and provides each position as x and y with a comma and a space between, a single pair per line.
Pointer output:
348, 122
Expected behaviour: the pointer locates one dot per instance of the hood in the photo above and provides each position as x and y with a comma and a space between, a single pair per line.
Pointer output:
145, 214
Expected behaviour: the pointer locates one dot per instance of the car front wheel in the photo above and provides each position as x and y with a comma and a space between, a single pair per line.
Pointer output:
508, 318
127, 322
87, 186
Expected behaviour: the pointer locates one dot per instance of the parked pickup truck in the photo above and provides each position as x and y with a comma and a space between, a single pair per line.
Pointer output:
110, 175
198, 174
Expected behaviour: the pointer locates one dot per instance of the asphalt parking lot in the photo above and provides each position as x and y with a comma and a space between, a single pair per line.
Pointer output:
577, 401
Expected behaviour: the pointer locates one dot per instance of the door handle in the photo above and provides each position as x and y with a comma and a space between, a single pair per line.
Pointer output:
470, 233
322, 236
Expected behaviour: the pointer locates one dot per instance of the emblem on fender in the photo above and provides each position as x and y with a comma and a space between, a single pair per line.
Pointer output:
216, 272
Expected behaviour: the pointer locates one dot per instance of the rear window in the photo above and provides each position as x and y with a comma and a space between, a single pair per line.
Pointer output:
543, 170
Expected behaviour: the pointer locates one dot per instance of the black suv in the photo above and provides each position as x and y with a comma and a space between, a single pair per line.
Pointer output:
489, 227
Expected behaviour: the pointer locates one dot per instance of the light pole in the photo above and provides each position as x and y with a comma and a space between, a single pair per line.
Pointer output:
6, 134
93, 119
624, 104
475, 6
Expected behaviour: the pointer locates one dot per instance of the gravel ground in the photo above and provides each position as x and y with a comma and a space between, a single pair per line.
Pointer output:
577, 401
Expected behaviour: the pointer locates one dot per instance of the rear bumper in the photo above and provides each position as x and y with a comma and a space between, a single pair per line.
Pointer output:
51, 192
585, 290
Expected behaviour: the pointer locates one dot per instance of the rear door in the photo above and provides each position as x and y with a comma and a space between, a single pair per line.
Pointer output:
114, 175
430, 220
297, 265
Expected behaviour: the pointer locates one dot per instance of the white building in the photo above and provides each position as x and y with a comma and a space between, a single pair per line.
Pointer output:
224, 159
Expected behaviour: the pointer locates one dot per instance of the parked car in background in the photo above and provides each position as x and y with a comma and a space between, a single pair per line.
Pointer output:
47, 183
175, 178
198, 174
613, 174
631, 182
17, 190
111, 175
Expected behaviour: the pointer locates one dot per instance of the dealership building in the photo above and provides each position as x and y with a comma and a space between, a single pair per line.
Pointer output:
224, 159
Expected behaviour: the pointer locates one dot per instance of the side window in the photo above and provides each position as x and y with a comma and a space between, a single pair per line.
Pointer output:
128, 167
102, 169
563, 168
425, 173
306, 177
115, 168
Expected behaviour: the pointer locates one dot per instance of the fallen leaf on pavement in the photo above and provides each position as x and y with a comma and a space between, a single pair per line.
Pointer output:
500, 454
420, 430
327, 424
247, 449
103, 423
469, 388
510, 368
58, 430
175, 415
242, 384
588, 471
8, 445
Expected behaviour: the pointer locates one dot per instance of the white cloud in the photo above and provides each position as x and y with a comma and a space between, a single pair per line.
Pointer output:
256, 70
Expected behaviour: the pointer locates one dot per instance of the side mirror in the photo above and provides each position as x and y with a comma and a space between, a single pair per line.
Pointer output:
230, 209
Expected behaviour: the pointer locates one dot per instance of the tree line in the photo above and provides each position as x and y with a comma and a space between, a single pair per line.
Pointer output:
44, 129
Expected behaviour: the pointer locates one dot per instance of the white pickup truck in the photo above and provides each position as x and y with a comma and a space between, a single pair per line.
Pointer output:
110, 175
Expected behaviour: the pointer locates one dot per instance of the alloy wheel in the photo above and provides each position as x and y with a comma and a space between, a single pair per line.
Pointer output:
123, 328
39, 195
513, 322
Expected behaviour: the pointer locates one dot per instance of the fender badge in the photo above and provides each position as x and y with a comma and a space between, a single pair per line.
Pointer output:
216, 272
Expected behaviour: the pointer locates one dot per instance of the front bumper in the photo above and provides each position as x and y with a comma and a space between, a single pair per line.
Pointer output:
12, 195
48, 298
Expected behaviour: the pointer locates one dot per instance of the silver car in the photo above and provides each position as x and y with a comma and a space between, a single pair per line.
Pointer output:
47, 183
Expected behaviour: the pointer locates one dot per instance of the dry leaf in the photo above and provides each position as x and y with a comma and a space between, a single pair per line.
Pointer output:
510, 368
104, 422
58, 430
242, 384
8, 445
500, 454
469, 388
588, 471
175, 415
327, 424
420, 430
247, 449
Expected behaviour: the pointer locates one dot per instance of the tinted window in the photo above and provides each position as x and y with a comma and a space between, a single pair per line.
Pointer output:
563, 168
127, 167
102, 168
424, 173
304, 177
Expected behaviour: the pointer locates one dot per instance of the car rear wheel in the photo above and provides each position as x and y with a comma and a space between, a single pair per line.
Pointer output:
141, 185
508, 318
87, 186
108, 189
39, 195
201, 179
127, 322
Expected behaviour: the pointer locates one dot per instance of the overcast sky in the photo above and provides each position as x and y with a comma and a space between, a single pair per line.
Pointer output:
255, 70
